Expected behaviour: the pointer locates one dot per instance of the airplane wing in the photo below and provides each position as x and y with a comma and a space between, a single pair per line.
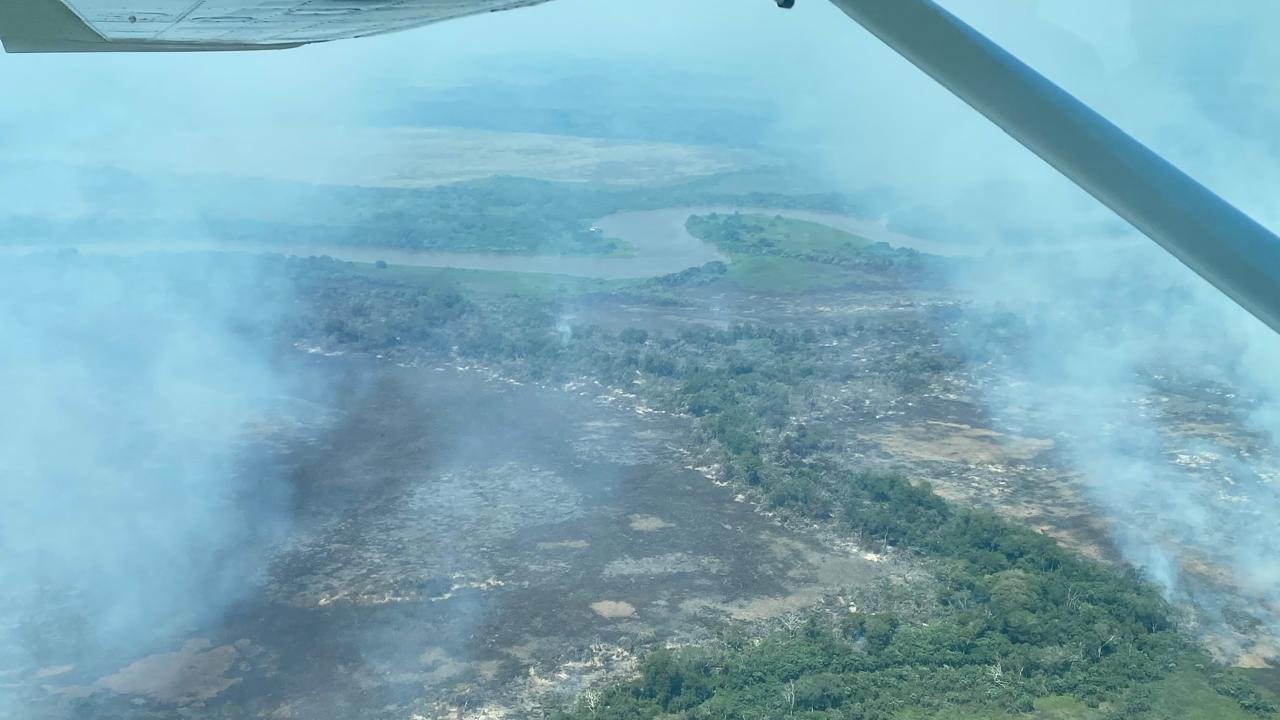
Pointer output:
1223, 245
177, 25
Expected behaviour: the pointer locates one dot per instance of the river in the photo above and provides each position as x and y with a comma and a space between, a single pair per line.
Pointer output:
661, 242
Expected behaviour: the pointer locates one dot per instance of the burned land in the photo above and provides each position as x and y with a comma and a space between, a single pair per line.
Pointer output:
771, 485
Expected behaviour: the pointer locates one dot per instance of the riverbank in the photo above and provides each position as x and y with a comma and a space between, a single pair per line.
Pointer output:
662, 246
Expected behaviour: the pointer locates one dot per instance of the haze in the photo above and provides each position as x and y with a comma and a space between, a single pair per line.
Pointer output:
476, 443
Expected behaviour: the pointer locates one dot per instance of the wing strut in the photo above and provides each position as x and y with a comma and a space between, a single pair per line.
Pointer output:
1226, 247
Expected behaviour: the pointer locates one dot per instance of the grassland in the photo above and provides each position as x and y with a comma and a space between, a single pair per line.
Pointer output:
751, 234
786, 255
406, 157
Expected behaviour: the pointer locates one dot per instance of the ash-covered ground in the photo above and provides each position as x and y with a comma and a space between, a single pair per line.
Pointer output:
465, 544
483, 527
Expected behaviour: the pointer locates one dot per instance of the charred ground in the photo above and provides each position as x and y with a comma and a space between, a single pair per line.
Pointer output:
762, 485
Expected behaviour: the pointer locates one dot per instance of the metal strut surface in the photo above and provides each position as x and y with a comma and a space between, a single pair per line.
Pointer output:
1226, 247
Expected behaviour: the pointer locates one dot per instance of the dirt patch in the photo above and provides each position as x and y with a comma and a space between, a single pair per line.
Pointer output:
564, 545
649, 523
613, 609
197, 672
939, 441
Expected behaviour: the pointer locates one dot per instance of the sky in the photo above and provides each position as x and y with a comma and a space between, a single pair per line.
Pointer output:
1186, 78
